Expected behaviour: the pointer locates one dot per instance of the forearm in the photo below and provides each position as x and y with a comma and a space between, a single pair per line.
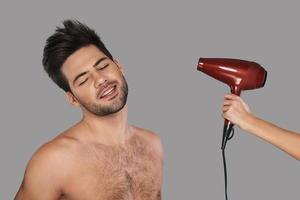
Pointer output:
285, 140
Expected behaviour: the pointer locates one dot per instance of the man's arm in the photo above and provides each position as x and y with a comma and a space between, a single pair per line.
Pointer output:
238, 112
158, 147
42, 177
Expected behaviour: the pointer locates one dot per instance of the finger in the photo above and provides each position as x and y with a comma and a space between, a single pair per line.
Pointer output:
230, 96
236, 99
227, 102
225, 116
225, 108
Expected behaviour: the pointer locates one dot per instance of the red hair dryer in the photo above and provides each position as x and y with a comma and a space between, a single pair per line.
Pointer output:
239, 75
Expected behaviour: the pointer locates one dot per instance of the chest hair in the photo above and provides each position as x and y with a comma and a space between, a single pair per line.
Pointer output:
128, 172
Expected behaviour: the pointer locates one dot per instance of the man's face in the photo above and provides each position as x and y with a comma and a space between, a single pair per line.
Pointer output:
97, 83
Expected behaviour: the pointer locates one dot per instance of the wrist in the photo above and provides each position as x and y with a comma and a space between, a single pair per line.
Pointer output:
249, 122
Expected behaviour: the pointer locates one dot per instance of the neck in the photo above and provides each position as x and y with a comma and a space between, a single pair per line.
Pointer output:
112, 129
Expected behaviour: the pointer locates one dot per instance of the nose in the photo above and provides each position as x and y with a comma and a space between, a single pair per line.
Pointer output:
98, 79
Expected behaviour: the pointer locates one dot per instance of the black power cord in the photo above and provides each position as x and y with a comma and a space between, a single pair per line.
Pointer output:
228, 134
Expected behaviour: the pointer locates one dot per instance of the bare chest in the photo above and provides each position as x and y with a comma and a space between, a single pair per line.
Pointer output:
130, 173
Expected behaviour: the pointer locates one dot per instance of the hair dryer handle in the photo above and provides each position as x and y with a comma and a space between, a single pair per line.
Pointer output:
226, 122
227, 129
228, 126
236, 90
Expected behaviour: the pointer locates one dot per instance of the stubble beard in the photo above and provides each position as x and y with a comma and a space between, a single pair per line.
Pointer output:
114, 107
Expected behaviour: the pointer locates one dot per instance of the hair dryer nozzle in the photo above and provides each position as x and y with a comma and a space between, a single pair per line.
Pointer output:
261, 77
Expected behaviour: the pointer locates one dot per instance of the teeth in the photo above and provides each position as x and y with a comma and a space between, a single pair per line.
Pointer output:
108, 91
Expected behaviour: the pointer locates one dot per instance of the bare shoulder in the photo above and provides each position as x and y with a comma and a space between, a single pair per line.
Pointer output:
152, 139
52, 157
46, 170
54, 150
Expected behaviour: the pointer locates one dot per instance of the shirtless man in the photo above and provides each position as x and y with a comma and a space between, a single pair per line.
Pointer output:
238, 112
101, 157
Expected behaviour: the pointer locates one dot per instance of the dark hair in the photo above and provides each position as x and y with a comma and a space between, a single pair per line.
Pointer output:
64, 42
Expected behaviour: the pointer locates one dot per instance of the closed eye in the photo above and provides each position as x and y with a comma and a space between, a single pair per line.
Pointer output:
83, 82
100, 68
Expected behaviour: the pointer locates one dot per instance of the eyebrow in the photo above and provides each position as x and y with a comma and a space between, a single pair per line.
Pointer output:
85, 72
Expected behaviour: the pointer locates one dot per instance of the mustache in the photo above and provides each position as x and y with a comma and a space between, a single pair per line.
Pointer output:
105, 86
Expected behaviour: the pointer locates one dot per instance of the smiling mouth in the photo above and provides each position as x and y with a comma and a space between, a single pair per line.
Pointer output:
108, 93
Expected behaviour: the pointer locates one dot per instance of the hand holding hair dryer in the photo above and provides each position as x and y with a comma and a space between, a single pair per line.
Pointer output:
238, 74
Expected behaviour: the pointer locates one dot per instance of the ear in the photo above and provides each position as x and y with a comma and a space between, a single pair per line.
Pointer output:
72, 99
120, 66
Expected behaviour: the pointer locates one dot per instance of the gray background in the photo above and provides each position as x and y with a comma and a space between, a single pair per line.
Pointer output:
159, 43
